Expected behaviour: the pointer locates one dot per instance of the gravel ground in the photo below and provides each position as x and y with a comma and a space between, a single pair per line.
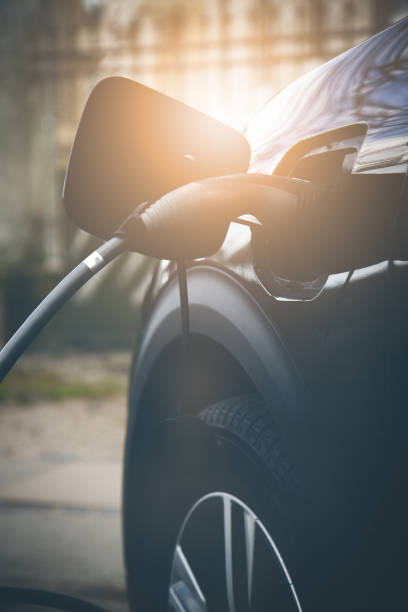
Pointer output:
70, 430
73, 429
88, 367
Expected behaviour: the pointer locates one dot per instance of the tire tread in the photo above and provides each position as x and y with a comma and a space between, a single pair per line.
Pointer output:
248, 418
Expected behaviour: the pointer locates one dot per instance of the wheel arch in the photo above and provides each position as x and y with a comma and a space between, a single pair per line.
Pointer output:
212, 373
239, 339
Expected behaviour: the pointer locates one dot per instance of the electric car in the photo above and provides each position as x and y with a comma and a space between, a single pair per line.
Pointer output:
265, 464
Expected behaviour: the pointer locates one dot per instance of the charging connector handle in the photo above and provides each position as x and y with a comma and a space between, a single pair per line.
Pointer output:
69, 285
192, 221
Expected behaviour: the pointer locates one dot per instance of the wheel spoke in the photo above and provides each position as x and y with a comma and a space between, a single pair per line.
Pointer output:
228, 553
185, 593
249, 526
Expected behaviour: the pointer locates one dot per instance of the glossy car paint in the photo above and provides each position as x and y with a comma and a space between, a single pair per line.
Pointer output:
366, 83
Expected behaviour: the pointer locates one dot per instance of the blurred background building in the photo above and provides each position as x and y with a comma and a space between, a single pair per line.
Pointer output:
225, 57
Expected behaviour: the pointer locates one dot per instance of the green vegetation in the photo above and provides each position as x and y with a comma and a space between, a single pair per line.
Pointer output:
24, 388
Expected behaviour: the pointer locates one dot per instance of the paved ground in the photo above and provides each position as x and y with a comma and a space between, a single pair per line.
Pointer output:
73, 551
60, 479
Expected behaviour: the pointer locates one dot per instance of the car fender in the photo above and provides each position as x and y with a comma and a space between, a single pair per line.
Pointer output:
223, 310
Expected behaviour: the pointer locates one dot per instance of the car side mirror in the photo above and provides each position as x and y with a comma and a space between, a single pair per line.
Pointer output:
134, 144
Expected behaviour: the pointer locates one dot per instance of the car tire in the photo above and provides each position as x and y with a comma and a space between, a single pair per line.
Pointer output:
210, 519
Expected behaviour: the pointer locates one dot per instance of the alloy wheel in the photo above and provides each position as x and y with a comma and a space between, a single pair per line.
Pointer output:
225, 559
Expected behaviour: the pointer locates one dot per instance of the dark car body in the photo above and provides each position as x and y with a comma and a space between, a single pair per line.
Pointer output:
327, 353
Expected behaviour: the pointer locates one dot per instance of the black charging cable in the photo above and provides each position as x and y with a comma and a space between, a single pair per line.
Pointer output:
182, 372
185, 316
69, 285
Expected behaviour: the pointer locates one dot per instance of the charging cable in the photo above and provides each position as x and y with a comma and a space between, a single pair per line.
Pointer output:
69, 285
